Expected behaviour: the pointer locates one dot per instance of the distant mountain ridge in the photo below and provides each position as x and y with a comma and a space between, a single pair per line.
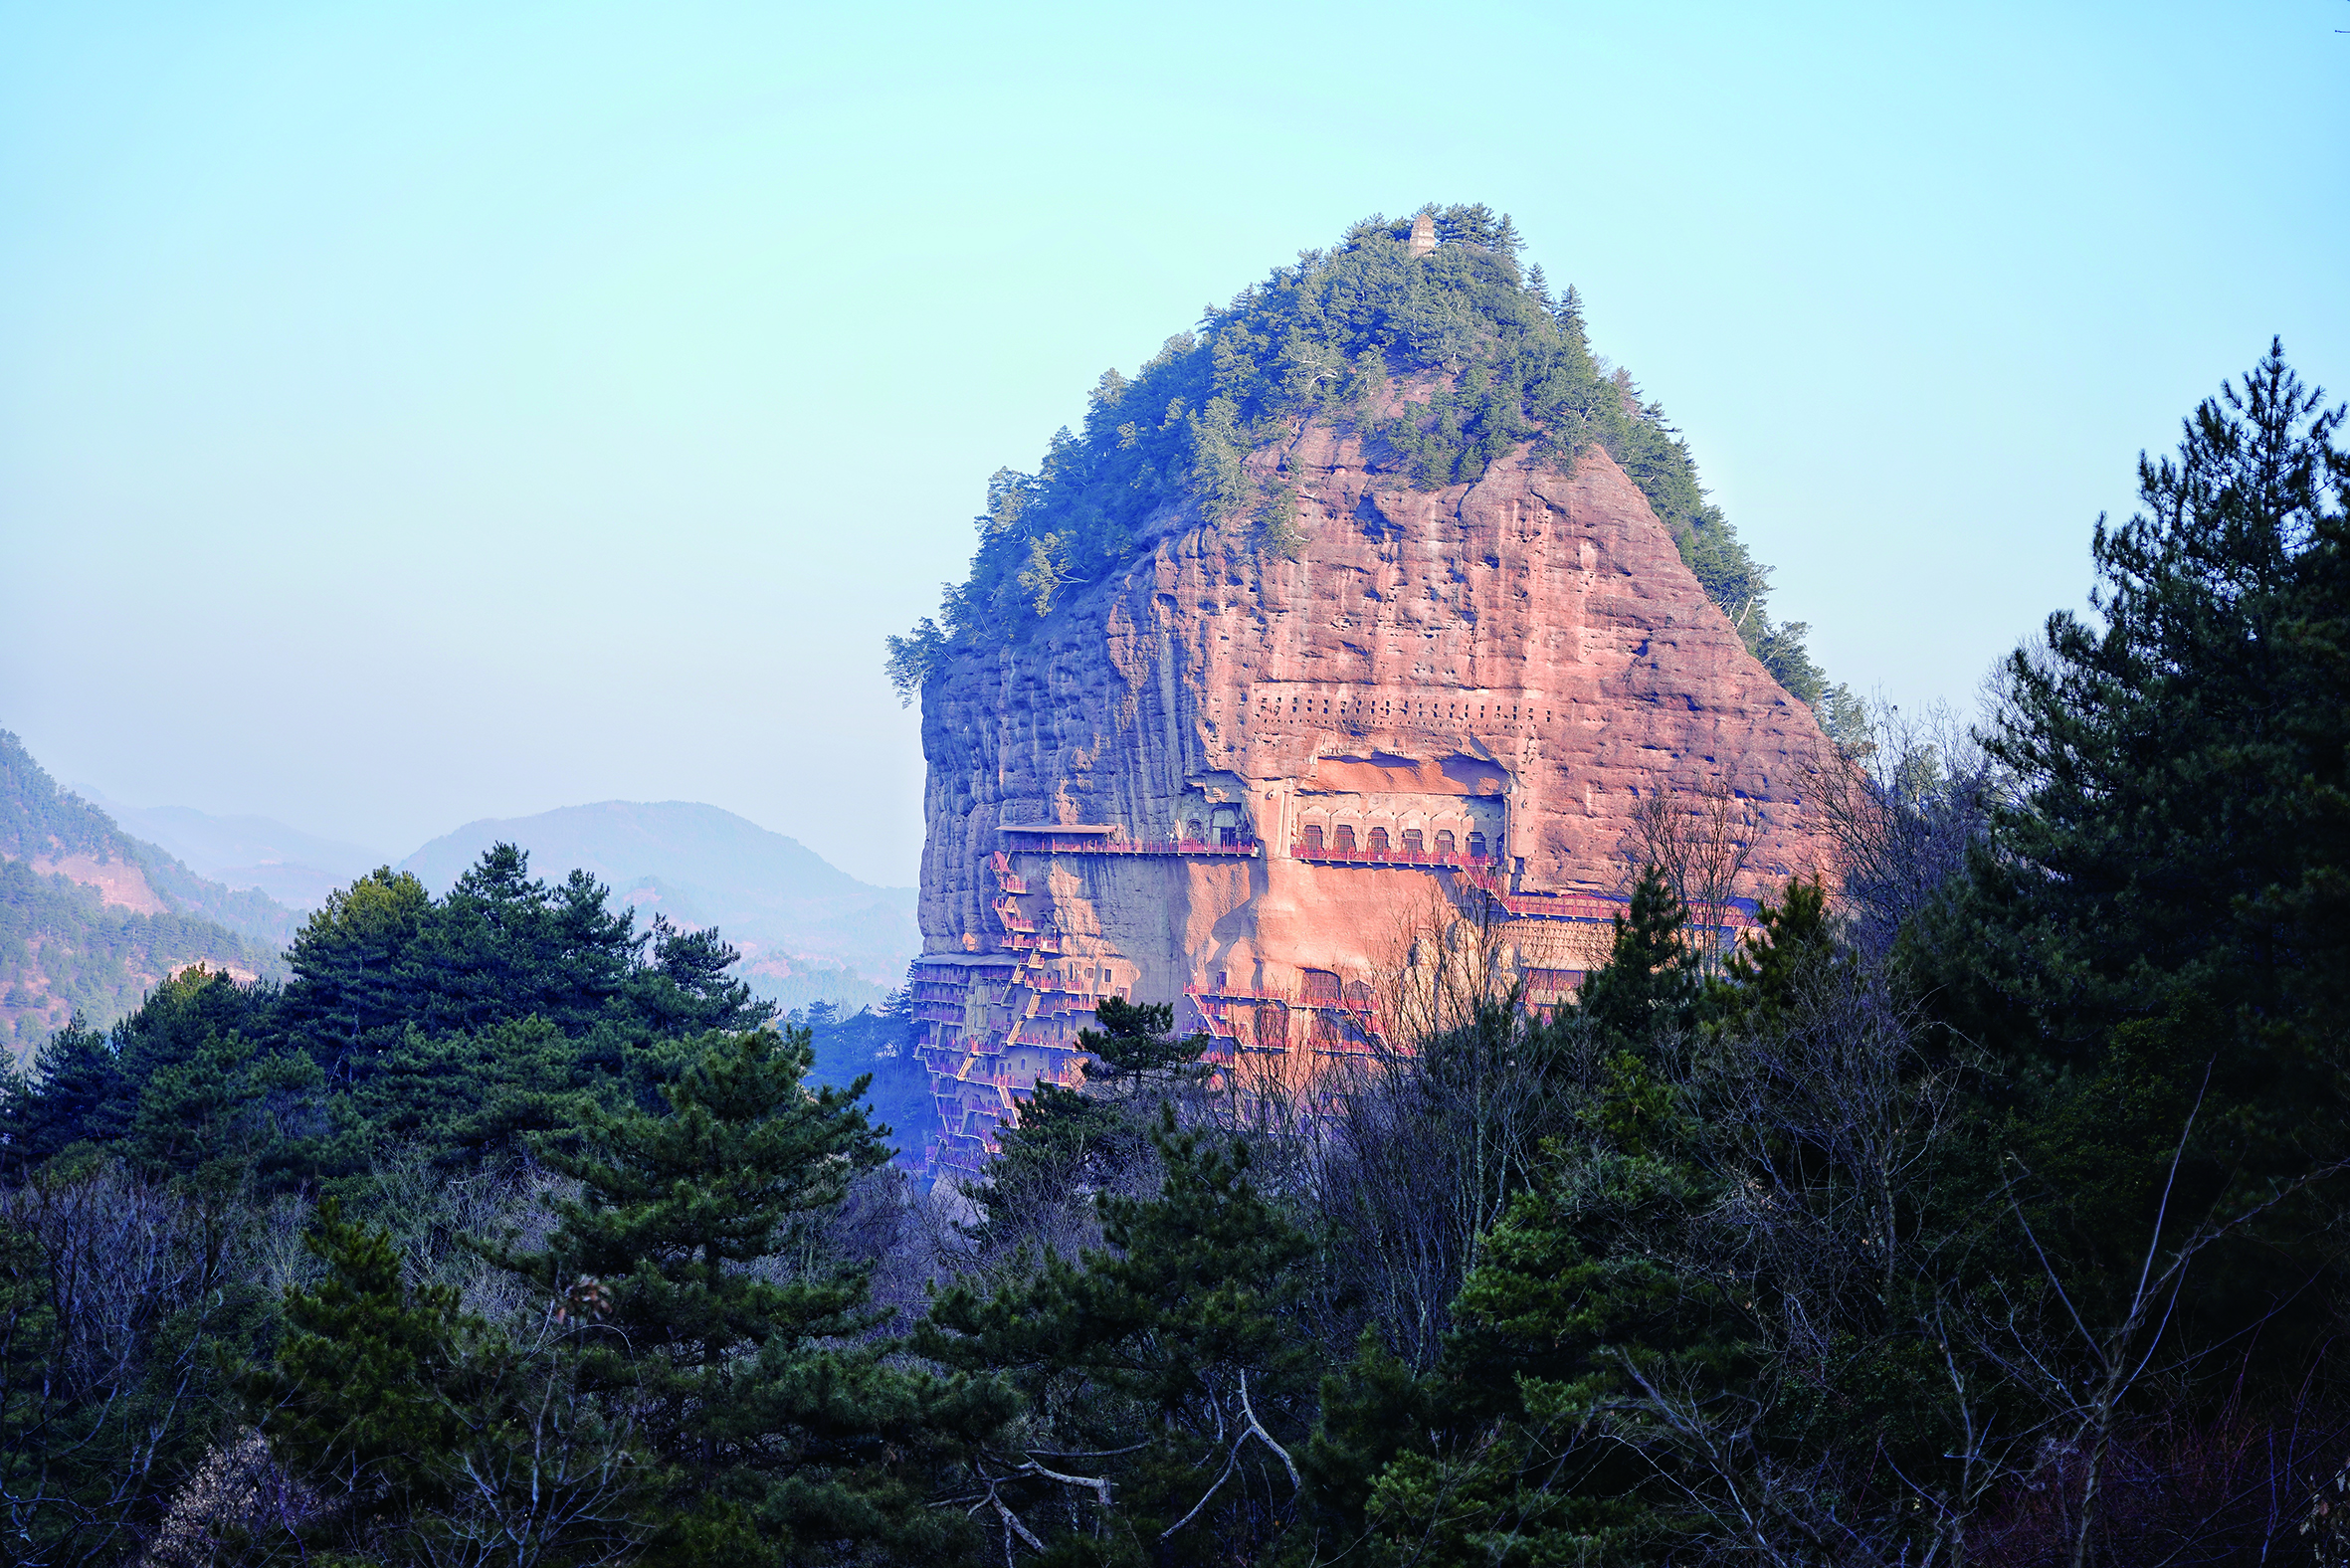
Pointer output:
91, 916
806, 927
59, 831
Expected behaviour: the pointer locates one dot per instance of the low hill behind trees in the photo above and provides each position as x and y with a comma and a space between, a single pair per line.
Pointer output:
806, 930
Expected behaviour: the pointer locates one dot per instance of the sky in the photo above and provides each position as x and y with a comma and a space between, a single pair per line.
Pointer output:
417, 413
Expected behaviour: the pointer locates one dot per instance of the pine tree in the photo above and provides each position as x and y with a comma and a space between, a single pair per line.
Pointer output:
2155, 940
1169, 1366
1069, 1143
76, 1093
359, 1398
1537, 1438
422, 1436
779, 1431
2184, 823
1765, 977
1649, 981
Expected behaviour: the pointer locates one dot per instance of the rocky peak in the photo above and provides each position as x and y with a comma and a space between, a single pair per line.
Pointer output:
1221, 775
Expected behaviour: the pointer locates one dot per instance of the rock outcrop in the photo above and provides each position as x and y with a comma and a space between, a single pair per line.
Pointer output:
1228, 779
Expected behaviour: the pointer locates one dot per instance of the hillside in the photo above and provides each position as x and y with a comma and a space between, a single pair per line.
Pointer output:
91, 918
806, 930
880, 1046
295, 869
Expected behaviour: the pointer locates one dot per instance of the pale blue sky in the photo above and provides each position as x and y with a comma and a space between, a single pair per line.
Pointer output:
411, 413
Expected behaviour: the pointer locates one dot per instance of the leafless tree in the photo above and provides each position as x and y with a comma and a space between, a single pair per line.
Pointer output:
1902, 810
1450, 963
114, 1291
546, 1475
238, 1493
2050, 1343
1699, 838
1820, 1129
1417, 1142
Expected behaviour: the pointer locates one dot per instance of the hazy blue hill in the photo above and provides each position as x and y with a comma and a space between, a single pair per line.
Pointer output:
859, 1045
693, 847
794, 914
293, 867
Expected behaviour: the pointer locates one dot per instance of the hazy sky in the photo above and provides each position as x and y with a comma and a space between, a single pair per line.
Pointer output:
411, 413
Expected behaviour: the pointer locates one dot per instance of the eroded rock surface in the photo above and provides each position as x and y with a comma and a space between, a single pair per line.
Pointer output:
1263, 770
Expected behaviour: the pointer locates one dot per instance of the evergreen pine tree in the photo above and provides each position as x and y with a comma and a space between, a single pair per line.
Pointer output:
1649, 981
2156, 937
76, 1093
359, 1398
1068, 1143
778, 1430
1169, 1366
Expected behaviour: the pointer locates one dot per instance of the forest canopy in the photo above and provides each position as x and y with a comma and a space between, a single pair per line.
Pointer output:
1326, 337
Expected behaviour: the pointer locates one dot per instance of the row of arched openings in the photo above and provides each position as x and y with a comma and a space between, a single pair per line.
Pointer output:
1341, 840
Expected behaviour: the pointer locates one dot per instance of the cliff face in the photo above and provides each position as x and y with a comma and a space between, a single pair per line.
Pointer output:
1262, 766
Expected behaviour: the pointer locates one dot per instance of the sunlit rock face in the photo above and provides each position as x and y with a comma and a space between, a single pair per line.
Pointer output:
1264, 772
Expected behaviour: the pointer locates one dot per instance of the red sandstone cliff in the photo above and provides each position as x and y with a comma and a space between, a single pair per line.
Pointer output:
1476, 685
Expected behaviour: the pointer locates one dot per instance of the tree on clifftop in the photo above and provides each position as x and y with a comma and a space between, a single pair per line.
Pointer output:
1502, 362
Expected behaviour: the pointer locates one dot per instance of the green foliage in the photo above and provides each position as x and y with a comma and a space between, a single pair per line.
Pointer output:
66, 952
425, 1435
121, 1308
30, 1346
775, 1438
1618, 1383
2021, 1246
1068, 1144
1650, 981
360, 1397
77, 1091
1169, 1363
2184, 823
1282, 536
182, 1086
1764, 979
457, 1026
2157, 932
1450, 361
382, 957
913, 658
266, 924
1805, 1272
227, 1112
472, 1098
1579, 1297
1375, 1414
39, 820
1136, 1040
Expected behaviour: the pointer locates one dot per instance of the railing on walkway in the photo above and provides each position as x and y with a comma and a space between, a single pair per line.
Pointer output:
1432, 860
